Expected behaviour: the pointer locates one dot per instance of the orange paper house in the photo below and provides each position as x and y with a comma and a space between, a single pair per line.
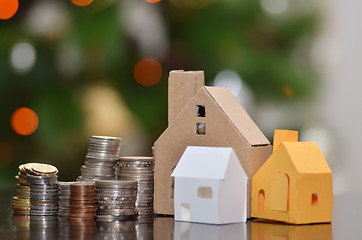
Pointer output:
203, 116
295, 184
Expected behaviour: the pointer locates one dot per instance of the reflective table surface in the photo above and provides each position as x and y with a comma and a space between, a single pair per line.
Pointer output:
346, 224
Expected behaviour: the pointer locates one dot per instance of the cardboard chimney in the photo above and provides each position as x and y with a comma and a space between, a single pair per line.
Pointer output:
203, 116
295, 184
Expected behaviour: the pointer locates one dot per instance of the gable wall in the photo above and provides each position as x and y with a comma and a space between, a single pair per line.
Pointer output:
169, 148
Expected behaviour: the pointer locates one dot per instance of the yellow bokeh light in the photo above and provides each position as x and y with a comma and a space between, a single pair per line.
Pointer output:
24, 121
147, 72
81, 3
8, 8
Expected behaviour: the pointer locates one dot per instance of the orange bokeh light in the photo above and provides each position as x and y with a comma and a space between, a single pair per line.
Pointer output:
8, 8
153, 1
24, 121
288, 91
148, 72
82, 3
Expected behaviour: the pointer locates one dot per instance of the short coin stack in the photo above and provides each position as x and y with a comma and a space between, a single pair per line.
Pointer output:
139, 169
21, 202
64, 194
101, 159
43, 181
82, 206
116, 200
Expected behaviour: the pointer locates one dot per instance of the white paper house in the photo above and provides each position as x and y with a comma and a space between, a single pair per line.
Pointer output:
210, 186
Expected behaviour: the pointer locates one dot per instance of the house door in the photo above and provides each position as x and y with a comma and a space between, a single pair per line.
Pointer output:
280, 192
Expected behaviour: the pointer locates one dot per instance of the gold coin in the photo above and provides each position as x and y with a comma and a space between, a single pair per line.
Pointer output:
42, 169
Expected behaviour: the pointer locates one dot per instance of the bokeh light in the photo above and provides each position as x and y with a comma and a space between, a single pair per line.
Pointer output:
81, 2
147, 72
22, 57
24, 121
288, 91
8, 8
230, 80
274, 6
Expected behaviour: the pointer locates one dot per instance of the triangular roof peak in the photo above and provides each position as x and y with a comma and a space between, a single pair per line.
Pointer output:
206, 162
237, 115
306, 157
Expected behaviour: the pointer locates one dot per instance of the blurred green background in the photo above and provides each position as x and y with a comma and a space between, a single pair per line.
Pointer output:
74, 66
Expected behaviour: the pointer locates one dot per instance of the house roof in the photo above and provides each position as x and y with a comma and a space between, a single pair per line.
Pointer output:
206, 162
237, 115
306, 157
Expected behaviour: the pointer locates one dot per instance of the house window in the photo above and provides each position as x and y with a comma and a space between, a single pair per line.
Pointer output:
201, 128
200, 111
315, 199
204, 192
261, 199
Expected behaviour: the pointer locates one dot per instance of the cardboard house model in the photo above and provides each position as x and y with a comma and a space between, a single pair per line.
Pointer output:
295, 183
203, 116
210, 186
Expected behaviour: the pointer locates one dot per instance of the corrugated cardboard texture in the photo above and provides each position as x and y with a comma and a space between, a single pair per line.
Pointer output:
238, 116
302, 168
182, 86
220, 132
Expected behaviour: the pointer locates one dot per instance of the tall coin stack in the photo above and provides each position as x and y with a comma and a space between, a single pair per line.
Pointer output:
139, 169
116, 200
101, 159
64, 194
82, 203
21, 202
43, 181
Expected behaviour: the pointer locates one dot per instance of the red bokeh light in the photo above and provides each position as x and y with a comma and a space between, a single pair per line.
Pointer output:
153, 1
8, 8
148, 72
82, 3
24, 121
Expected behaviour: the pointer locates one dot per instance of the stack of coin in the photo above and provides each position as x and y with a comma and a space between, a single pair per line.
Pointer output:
64, 194
139, 169
43, 181
101, 159
21, 202
116, 200
82, 202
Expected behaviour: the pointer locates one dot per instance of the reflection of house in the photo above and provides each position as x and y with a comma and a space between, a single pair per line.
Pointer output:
295, 184
203, 116
265, 231
210, 186
195, 231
